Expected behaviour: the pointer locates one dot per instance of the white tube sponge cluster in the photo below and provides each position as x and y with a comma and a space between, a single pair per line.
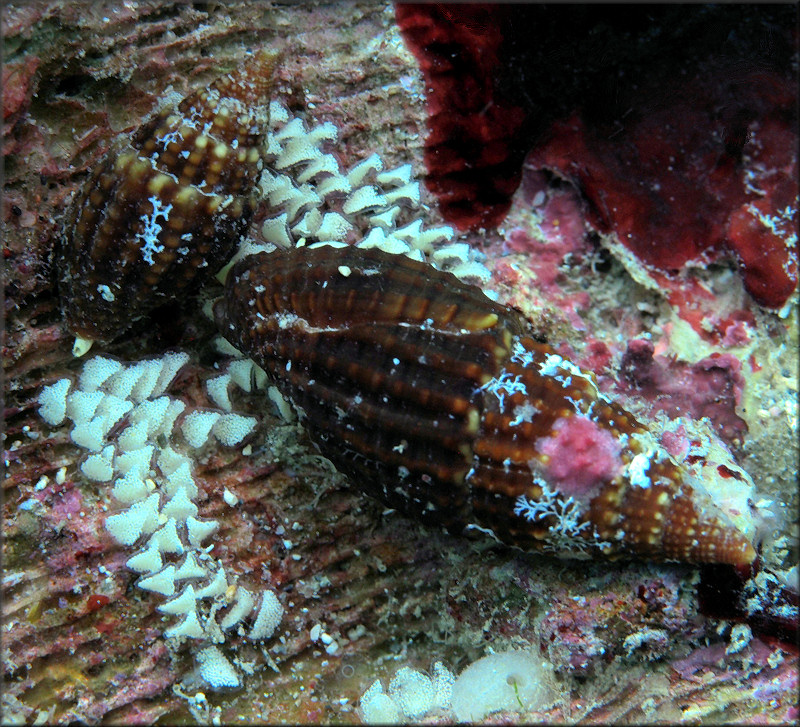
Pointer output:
154, 491
315, 201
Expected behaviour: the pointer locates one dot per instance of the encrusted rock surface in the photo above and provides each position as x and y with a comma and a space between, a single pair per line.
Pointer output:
81, 643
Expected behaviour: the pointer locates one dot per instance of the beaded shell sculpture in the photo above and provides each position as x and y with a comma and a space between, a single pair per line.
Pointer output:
165, 209
444, 405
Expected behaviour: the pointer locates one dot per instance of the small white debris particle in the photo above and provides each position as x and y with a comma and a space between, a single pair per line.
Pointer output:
741, 635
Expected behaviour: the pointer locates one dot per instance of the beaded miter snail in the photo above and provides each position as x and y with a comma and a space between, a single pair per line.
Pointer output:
431, 397
442, 404
165, 209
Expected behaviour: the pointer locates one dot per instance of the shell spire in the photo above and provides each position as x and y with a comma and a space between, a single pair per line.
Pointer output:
444, 405
163, 210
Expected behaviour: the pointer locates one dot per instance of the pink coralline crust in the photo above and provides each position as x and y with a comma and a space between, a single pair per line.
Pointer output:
562, 221
596, 357
561, 224
724, 362
702, 659
736, 332
538, 271
544, 262
582, 631
582, 456
18, 87
17, 83
67, 504
709, 388
676, 443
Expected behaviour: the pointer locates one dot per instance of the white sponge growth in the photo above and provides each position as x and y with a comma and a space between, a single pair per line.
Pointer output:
510, 681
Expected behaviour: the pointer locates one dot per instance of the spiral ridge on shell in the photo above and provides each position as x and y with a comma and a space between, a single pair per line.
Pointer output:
165, 208
444, 405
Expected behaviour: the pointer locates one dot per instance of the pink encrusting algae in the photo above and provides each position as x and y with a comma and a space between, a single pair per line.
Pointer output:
581, 455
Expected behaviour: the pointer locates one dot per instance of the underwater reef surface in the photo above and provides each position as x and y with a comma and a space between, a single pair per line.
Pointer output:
677, 124
697, 355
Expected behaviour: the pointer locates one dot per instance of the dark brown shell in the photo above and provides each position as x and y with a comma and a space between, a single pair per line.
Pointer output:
164, 210
442, 404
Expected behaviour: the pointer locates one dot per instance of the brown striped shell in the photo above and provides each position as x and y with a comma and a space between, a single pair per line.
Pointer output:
442, 404
164, 210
